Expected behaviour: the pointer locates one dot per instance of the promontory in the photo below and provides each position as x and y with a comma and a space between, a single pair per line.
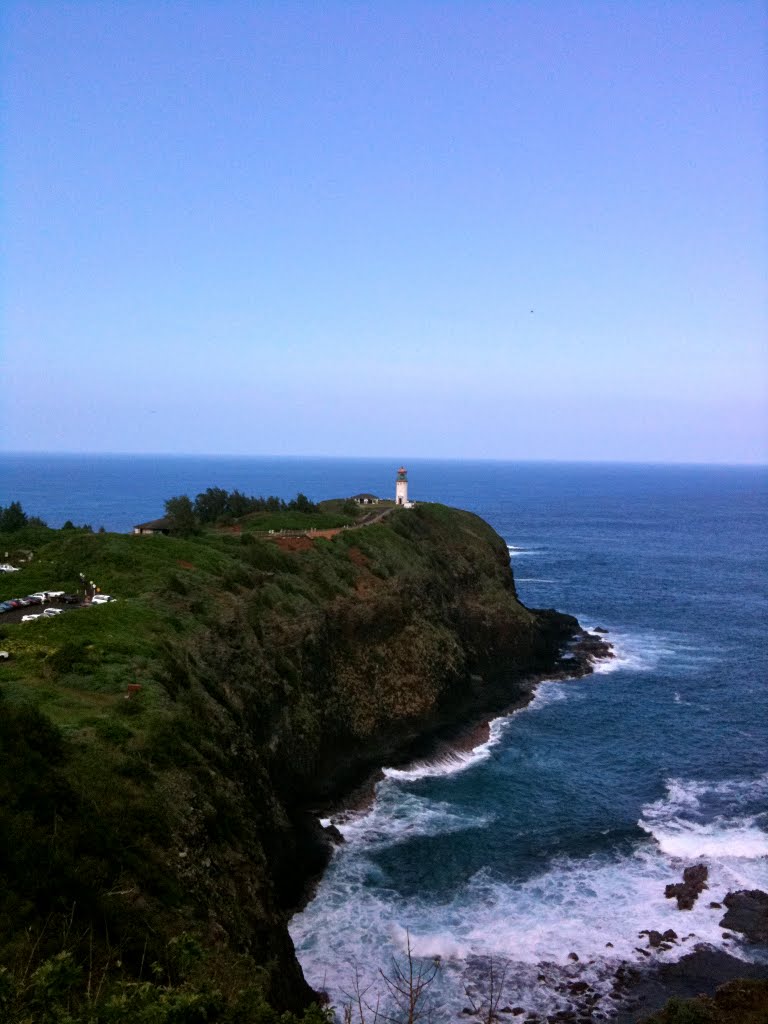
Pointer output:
184, 705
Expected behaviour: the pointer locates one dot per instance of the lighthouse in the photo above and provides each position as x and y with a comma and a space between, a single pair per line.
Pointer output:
401, 488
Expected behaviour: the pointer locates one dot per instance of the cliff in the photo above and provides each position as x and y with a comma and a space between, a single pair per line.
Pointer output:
272, 675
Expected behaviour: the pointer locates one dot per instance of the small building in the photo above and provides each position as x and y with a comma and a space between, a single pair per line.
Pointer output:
162, 526
365, 499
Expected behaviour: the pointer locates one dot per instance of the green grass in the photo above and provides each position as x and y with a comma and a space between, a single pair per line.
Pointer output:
168, 588
261, 522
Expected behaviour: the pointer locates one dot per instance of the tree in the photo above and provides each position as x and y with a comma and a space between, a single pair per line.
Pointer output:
408, 986
302, 504
12, 518
484, 1000
211, 504
406, 996
181, 513
238, 504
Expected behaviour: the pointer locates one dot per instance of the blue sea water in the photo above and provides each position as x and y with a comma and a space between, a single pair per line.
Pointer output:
559, 835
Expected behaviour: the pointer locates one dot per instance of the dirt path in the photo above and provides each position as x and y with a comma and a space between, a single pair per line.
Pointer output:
297, 540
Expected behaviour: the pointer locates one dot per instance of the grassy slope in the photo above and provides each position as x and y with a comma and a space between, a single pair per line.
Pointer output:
179, 808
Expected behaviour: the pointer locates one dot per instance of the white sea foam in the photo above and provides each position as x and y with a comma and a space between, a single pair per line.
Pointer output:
645, 650
547, 692
635, 651
394, 820
740, 838
454, 761
516, 552
575, 905
686, 824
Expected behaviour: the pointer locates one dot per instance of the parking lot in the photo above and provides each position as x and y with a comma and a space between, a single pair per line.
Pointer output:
56, 603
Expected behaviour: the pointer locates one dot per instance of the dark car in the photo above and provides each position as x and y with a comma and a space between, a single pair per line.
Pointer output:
68, 599
31, 599
6, 606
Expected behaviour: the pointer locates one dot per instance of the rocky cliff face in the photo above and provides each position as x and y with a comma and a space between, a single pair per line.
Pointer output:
384, 637
274, 683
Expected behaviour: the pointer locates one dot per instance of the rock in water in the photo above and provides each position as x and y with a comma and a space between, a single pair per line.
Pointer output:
693, 884
747, 913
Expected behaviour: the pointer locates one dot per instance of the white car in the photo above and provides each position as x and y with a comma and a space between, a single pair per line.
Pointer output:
55, 593
50, 612
8, 568
30, 618
4, 655
101, 599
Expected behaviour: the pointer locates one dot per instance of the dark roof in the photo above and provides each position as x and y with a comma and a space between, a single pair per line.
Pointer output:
155, 524
359, 497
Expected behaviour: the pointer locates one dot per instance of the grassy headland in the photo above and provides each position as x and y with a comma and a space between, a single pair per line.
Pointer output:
272, 673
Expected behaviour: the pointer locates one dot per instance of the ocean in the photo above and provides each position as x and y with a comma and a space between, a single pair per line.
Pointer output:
546, 849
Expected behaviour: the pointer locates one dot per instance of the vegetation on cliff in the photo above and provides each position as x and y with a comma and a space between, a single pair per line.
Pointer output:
744, 1001
266, 675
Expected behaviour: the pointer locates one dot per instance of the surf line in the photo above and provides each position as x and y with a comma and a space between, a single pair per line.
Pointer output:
467, 745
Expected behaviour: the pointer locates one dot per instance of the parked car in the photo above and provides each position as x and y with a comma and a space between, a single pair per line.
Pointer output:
54, 593
5, 567
42, 594
33, 599
50, 612
101, 599
29, 618
14, 602
69, 599
4, 655
25, 602
6, 606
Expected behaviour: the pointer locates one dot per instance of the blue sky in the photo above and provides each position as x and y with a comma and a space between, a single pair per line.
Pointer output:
506, 230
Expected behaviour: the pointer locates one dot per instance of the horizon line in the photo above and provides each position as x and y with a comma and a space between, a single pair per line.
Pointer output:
385, 458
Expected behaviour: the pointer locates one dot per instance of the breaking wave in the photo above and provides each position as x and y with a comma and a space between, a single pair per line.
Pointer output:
515, 551
724, 821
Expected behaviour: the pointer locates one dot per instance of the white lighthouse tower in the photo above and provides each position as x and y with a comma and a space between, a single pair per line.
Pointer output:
401, 488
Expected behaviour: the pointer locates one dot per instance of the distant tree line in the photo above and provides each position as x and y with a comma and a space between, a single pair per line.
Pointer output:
216, 505
15, 518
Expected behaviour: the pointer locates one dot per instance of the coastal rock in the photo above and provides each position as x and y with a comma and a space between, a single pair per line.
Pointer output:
599, 629
688, 891
334, 835
747, 913
655, 938
581, 655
